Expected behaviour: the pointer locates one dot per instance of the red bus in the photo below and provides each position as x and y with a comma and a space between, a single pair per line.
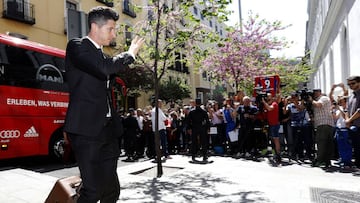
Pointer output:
33, 98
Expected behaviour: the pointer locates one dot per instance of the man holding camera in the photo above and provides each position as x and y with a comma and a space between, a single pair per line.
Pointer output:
324, 124
300, 137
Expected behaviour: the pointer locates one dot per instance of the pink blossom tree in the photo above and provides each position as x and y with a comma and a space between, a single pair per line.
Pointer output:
245, 54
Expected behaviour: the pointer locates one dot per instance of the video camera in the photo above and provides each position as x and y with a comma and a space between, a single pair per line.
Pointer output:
260, 95
305, 94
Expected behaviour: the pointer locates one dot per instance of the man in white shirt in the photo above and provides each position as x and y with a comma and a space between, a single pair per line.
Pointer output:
162, 128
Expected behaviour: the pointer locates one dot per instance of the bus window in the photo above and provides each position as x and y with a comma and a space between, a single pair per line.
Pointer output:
60, 63
26, 68
3, 57
19, 71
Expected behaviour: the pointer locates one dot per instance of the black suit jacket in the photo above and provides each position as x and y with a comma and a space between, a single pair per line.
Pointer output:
87, 72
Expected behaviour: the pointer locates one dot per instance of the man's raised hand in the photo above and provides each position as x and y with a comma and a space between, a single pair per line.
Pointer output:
136, 44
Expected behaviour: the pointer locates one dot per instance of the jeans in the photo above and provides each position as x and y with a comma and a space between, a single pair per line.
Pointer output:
344, 145
163, 140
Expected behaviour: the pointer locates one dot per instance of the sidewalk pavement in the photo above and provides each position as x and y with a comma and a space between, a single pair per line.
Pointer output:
224, 180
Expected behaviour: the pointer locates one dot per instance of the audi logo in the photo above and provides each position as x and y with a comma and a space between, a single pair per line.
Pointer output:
6, 134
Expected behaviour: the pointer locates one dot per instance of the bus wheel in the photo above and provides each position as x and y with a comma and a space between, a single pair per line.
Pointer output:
56, 146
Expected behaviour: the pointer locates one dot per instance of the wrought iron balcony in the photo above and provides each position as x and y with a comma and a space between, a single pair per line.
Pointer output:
19, 10
109, 3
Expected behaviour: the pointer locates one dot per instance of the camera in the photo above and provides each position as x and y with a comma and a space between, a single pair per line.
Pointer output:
260, 95
305, 94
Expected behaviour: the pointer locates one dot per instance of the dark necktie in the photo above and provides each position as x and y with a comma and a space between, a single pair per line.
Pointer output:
108, 92
101, 52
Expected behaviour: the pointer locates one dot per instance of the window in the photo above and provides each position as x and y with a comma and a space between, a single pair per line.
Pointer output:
75, 21
128, 8
204, 75
151, 15
127, 35
179, 64
71, 5
20, 10
195, 11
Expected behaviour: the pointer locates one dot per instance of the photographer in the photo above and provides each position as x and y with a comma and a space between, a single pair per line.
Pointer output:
324, 124
301, 131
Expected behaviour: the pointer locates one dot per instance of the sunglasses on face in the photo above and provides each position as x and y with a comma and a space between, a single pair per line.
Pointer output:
351, 83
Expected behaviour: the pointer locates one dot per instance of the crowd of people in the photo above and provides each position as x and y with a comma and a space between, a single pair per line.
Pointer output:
304, 126
239, 126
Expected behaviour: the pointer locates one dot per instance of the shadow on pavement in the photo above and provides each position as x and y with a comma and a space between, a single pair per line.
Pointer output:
189, 188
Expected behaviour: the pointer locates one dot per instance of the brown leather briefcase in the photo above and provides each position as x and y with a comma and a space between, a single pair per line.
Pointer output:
65, 190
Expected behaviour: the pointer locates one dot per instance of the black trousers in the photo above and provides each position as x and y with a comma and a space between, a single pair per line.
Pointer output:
355, 138
97, 158
204, 142
246, 140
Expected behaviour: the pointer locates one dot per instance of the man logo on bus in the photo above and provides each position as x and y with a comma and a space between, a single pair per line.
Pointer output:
46, 73
7, 134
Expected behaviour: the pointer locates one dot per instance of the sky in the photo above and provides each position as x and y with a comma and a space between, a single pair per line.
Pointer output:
289, 12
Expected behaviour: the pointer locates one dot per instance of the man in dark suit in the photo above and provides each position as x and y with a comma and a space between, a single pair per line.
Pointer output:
89, 116
200, 125
132, 130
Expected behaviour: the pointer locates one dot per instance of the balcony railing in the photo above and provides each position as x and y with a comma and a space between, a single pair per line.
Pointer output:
19, 10
109, 3
128, 8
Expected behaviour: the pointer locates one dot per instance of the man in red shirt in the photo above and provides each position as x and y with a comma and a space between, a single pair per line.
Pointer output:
272, 108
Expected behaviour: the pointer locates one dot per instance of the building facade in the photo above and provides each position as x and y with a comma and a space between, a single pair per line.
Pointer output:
54, 22
203, 86
333, 42
42, 21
